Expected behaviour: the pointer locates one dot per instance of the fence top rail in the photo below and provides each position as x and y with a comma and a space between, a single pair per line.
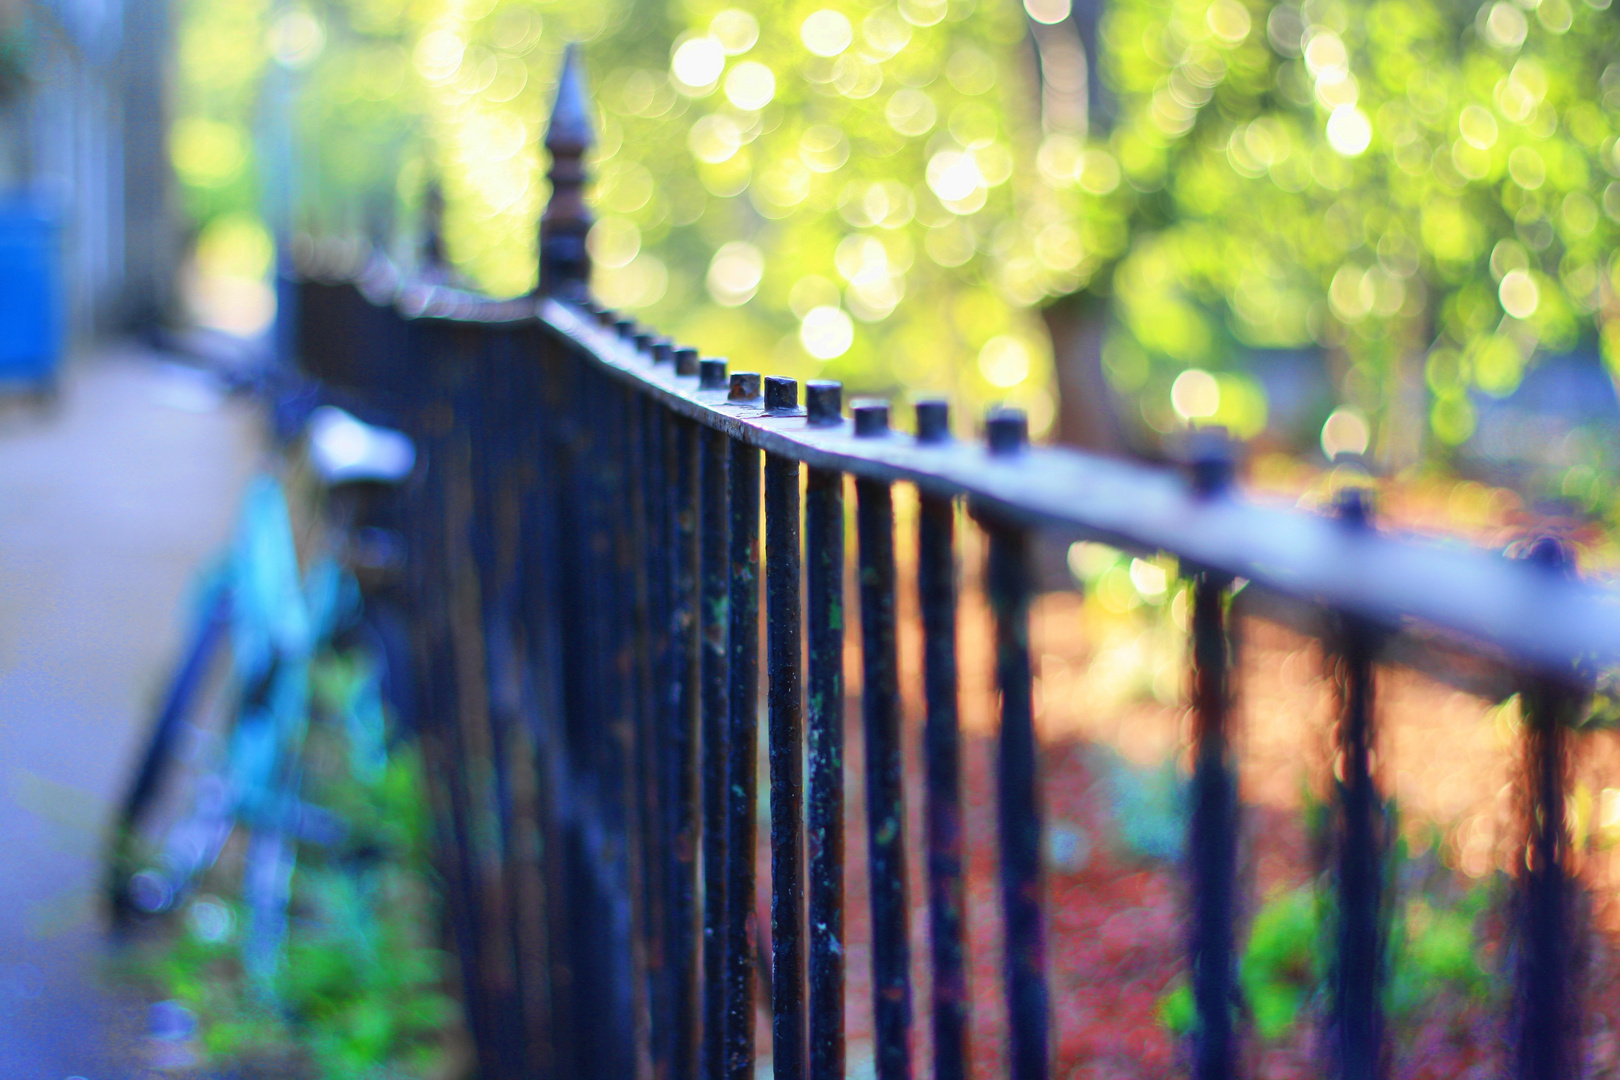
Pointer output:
1525, 611
1528, 611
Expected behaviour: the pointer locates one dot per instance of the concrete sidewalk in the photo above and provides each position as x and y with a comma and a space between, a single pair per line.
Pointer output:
109, 501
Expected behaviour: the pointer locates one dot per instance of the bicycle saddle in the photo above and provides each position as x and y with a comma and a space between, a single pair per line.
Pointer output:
344, 450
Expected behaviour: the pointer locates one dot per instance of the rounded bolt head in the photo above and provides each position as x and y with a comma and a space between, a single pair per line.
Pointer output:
824, 402
933, 420
686, 360
711, 373
781, 394
744, 386
1211, 459
1353, 505
643, 341
1006, 431
626, 328
662, 350
1551, 553
871, 417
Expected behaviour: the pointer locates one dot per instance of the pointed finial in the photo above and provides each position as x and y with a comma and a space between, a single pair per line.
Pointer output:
433, 260
565, 265
570, 128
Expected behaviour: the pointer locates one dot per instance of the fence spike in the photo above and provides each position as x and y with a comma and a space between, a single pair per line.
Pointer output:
933, 421
712, 373
565, 264
823, 403
433, 258
781, 394
1007, 431
871, 418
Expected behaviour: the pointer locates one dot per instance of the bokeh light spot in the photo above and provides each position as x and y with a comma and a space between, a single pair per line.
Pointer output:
750, 85
910, 112
1349, 131
735, 273
698, 62
970, 71
1478, 127
823, 148
1519, 295
296, 38
1504, 25
613, 242
1228, 20
1047, 11
736, 30
1345, 432
1527, 168
1195, 395
714, 138
826, 32
826, 332
1004, 361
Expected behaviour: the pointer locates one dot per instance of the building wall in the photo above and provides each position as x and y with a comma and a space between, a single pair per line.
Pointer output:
85, 141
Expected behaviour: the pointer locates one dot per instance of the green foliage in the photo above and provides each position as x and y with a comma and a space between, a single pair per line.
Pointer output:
875, 191
1393, 180
1433, 951
1176, 1010
860, 205
1280, 967
360, 988
1436, 950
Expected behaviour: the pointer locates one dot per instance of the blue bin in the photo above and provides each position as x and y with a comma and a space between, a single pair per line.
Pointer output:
30, 301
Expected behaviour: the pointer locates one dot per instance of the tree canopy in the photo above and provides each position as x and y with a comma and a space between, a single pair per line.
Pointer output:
1421, 190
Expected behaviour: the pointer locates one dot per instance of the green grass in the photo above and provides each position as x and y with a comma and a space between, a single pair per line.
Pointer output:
359, 993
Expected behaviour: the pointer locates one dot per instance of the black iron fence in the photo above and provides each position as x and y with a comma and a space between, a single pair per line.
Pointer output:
587, 549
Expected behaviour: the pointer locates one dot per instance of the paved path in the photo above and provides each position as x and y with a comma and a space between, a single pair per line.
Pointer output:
107, 505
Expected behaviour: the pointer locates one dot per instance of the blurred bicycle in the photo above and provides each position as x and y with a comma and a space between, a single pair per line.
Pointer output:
294, 632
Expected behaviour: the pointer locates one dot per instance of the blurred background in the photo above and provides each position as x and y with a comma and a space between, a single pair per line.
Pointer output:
1382, 228
1119, 216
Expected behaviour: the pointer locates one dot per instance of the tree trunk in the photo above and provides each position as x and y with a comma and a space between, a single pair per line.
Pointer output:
1086, 413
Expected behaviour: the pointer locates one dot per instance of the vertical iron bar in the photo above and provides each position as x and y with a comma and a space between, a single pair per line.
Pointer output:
1007, 581
743, 740
1358, 969
885, 798
1546, 1019
824, 543
715, 618
824, 552
541, 695
622, 1021
685, 788
656, 553
435, 418
782, 569
1213, 824
1212, 839
1212, 842
936, 588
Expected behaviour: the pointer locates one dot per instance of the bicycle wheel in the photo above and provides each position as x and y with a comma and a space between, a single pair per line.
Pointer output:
172, 779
